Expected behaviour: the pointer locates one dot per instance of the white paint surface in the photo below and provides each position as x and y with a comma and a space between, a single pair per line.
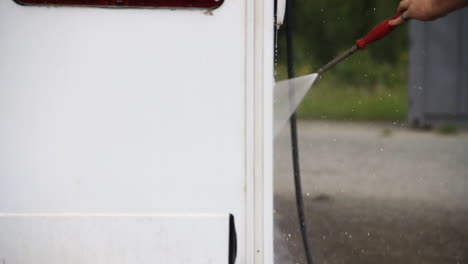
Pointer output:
121, 110
141, 111
116, 239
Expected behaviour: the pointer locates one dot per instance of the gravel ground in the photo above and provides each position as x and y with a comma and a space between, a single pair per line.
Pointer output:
374, 193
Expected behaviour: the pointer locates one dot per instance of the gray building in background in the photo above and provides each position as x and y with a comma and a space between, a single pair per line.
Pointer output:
438, 71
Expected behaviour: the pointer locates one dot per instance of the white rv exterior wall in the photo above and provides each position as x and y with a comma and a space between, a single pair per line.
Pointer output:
116, 239
139, 111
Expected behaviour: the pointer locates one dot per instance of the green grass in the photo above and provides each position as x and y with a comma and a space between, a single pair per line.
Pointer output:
447, 129
359, 89
339, 102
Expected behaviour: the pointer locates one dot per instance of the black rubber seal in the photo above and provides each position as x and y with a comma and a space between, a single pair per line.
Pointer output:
232, 240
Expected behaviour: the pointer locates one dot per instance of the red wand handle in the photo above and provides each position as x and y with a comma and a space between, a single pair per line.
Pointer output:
380, 31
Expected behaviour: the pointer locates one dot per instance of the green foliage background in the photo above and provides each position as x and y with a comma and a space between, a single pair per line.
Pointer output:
371, 85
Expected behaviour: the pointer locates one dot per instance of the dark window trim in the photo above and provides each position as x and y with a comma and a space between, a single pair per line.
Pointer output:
210, 4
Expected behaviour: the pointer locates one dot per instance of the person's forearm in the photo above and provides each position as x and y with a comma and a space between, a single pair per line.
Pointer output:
426, 10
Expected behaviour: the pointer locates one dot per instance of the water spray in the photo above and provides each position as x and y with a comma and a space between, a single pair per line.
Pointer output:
294, 89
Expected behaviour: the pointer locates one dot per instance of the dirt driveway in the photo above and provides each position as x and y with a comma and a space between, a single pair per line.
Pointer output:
374, 194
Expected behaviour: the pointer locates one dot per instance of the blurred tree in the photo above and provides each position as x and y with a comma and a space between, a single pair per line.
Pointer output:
370, 85
325, 28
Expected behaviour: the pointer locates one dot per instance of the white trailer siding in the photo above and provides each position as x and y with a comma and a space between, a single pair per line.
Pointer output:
138, 111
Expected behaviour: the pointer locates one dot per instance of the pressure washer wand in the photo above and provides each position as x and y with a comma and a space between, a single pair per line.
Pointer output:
380, 31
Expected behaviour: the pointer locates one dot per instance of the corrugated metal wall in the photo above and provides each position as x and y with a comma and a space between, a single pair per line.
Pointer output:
438, 70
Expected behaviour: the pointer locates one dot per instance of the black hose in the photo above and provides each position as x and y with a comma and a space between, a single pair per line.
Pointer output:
293, 126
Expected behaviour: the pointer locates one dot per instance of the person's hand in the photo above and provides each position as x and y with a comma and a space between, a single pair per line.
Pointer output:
426, 10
